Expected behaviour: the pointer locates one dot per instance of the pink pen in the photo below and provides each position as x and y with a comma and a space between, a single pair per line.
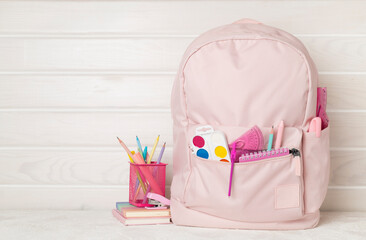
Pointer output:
316, 126
279, 135
233, 155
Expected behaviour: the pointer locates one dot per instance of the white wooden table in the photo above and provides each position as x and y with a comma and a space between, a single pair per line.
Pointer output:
53, 225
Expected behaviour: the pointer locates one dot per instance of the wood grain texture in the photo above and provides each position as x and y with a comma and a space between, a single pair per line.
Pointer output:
345, 91
346, 53
99, 129
179, 17
72, 167
151, 54
84, 198
92, 91
348, 168
110, 167
348, 129
340, 199
70, 54
61, 197
77, 129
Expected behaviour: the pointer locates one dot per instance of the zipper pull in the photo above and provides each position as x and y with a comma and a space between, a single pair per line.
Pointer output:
296, 153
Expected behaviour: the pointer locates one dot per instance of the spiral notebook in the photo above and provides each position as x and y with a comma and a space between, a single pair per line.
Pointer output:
261, 155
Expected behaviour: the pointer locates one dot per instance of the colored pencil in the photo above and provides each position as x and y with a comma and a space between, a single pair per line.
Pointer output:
145, 153
133, 160
138, 186
139, 147
279, 135
154, 172
161, 153
127, 150
153, 150
270, 141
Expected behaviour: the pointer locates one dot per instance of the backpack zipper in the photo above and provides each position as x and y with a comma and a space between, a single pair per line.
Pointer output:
295, 152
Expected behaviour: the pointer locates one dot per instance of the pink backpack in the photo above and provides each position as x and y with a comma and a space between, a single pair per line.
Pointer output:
232, 78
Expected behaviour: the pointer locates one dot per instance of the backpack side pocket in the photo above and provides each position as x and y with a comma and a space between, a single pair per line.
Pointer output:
316, 168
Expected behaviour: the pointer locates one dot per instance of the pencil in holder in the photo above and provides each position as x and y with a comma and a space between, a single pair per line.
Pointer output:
146, 178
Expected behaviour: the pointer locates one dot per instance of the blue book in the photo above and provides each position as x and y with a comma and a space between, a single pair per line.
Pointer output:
120, 205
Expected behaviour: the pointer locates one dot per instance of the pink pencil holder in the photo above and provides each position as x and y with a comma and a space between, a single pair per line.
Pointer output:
146, 178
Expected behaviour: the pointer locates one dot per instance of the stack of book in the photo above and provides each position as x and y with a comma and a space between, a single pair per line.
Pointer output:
131, 215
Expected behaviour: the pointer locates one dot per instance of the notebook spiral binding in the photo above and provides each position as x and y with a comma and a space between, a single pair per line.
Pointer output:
264, 155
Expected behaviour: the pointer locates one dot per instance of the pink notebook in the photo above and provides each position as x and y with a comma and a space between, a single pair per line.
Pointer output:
321, 109
261, 155
140, 221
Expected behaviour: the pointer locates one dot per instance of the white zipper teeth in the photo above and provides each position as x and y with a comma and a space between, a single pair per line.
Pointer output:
258, 156
263, 160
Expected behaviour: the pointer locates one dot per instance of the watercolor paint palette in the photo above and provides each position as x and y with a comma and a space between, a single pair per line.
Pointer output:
210, 144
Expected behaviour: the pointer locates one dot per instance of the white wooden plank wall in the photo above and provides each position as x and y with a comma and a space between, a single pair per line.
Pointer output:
74, 74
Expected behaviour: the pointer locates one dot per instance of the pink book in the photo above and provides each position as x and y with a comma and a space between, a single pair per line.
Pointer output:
136, 212
140, 221
321, 108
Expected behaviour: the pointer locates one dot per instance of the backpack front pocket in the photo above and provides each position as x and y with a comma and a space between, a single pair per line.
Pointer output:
262, 191
268, 190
